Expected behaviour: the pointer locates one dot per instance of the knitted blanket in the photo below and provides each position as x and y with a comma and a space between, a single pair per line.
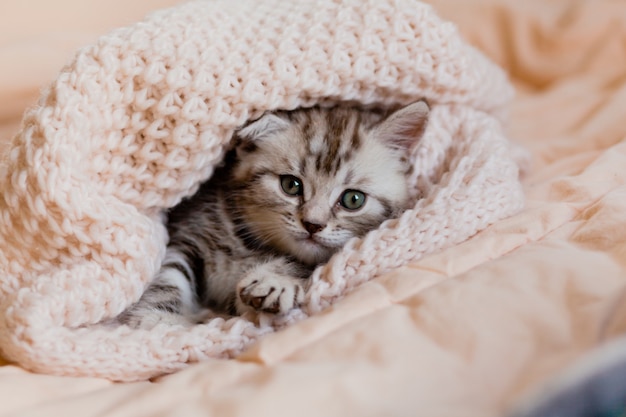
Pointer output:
139, 119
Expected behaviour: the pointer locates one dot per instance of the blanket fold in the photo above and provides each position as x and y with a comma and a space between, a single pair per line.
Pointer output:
139, 119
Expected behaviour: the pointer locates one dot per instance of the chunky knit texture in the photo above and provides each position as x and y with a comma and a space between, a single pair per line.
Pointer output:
139, 119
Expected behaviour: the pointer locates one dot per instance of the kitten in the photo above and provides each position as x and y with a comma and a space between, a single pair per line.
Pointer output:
292, 191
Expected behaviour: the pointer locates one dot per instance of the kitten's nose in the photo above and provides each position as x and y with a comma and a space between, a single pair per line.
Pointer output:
312, 228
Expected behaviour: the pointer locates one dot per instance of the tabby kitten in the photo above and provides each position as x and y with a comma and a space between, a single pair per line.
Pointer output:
293, 190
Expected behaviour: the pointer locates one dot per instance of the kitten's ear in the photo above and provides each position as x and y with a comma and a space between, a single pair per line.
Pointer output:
264, 126
405, 126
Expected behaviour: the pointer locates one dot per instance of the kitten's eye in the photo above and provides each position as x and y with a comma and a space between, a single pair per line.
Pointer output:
352, 199
291, 185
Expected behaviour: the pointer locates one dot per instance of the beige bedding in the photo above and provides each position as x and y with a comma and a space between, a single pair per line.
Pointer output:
466, 332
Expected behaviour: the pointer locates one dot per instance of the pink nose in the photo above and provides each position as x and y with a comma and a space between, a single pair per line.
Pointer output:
312, 228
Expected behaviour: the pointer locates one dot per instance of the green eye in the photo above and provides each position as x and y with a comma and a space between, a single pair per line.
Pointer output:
352, 199
291, 185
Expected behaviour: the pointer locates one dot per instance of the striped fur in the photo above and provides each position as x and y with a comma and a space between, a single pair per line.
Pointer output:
243, 243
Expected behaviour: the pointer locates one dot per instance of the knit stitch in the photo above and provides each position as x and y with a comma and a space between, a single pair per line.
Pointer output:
139, 119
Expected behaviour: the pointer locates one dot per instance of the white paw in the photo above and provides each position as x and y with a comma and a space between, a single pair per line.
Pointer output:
275, 294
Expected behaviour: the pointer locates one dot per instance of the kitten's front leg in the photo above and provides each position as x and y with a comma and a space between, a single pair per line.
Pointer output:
162, 302
169, 299
274, 287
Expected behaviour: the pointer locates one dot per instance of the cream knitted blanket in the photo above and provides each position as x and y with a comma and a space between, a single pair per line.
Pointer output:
139, 119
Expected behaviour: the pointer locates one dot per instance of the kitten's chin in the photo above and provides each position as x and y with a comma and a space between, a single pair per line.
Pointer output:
310, 252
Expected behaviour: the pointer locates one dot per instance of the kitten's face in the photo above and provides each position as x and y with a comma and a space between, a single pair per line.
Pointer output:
312, 179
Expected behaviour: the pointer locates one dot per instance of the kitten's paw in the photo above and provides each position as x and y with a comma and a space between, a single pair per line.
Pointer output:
149, 319
275, 294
